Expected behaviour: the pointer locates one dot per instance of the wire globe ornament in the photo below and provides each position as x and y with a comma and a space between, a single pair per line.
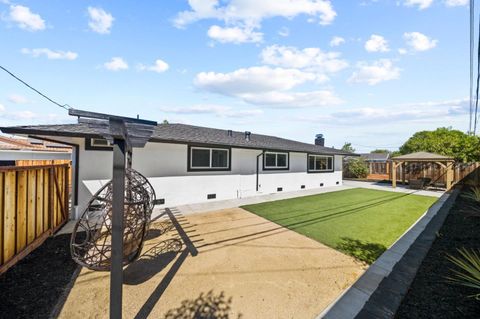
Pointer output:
91, 241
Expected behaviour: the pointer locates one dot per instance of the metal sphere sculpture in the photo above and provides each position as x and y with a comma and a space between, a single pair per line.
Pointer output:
90, 244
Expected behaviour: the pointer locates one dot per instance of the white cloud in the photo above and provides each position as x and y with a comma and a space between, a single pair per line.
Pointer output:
284, 32
318, 98
456, 3
418, 112
376, 43
26, 19
116, 64
376, 72
50, 54
421, 4
234, 34
217, 110
251, 12
17, 99
418, 41
402, 51
336, 41
253, 79
266, 86
100, 20
159, 66
310, 59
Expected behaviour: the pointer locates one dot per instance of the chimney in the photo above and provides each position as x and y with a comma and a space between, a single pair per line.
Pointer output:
319, 140
247, 135
230, 133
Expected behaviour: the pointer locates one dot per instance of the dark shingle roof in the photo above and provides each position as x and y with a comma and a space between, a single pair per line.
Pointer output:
375, 157
182, 133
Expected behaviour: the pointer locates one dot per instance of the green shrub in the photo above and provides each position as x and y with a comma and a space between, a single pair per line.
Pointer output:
357, 167
469, 269
474, 194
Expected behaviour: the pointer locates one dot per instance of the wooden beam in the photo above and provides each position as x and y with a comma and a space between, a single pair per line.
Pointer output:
394, 174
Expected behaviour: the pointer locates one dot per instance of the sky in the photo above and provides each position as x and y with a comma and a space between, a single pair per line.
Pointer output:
367, 72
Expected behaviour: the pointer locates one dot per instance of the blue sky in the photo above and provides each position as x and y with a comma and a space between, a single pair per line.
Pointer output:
368, 72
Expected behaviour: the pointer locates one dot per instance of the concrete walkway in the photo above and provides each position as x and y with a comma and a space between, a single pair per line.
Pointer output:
389, 188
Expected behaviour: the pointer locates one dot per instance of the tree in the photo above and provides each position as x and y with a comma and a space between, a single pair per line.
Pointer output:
165, 122
357, 167
347, 147
444, 141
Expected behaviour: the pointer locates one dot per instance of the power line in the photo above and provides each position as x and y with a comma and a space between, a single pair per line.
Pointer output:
478, 81
472, 37
64, 106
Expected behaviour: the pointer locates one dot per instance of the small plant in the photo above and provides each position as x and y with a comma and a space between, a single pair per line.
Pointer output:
474, 194
469, 273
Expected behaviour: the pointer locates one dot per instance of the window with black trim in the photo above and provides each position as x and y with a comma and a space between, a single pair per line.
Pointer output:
98, 144
320, 163
205, 158
275, 160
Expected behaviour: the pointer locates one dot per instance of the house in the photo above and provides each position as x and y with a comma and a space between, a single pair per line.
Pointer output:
375, 157
13, 150
190, 164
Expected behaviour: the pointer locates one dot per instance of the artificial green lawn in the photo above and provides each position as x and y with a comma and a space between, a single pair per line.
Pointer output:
359, 222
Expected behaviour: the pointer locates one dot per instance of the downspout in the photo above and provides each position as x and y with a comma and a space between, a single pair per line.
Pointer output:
258, 168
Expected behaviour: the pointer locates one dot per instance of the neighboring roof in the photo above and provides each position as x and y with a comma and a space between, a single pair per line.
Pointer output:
22, 144
182, 133
422, 156
375, 157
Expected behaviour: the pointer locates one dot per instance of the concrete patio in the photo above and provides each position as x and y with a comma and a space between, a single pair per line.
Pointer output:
227, 262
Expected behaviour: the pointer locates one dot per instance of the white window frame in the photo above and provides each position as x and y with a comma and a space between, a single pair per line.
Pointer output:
276, 160
315, 163
210, 158
93, 144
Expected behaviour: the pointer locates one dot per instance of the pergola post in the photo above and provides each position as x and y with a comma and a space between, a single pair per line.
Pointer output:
449, 182
403, 172
394, 174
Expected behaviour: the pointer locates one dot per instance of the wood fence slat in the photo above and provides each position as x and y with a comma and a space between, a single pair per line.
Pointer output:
2, 215
21, 210
9, 217
32, 187
46, 199
39, 202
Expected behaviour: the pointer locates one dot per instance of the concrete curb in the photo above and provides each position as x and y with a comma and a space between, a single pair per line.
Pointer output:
380, 290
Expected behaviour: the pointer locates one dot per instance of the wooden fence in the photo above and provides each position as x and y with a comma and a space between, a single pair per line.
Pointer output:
34, 203
40, 162
380, 171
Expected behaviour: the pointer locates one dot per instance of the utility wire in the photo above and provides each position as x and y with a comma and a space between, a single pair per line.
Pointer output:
472, 37
64, 106
478, 81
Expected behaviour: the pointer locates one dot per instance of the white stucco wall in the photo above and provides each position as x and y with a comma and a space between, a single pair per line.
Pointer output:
165, 165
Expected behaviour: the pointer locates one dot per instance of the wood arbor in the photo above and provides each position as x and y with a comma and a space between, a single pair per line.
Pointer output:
124, 133
445, 162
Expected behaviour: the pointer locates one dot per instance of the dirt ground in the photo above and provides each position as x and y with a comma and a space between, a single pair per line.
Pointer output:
223, 264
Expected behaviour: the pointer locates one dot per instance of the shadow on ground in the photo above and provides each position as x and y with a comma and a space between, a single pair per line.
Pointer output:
361, 250
152, 262
205, 306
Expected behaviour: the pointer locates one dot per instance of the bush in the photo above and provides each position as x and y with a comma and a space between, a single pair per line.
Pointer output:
357, 167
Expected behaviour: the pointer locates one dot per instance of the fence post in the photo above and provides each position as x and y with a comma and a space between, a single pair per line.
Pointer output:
51, 199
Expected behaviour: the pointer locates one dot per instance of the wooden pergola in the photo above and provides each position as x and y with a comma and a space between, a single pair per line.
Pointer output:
423, 157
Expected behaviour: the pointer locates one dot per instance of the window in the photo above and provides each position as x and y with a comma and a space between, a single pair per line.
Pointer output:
320, 163
275, 160
98, 144
204, 158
